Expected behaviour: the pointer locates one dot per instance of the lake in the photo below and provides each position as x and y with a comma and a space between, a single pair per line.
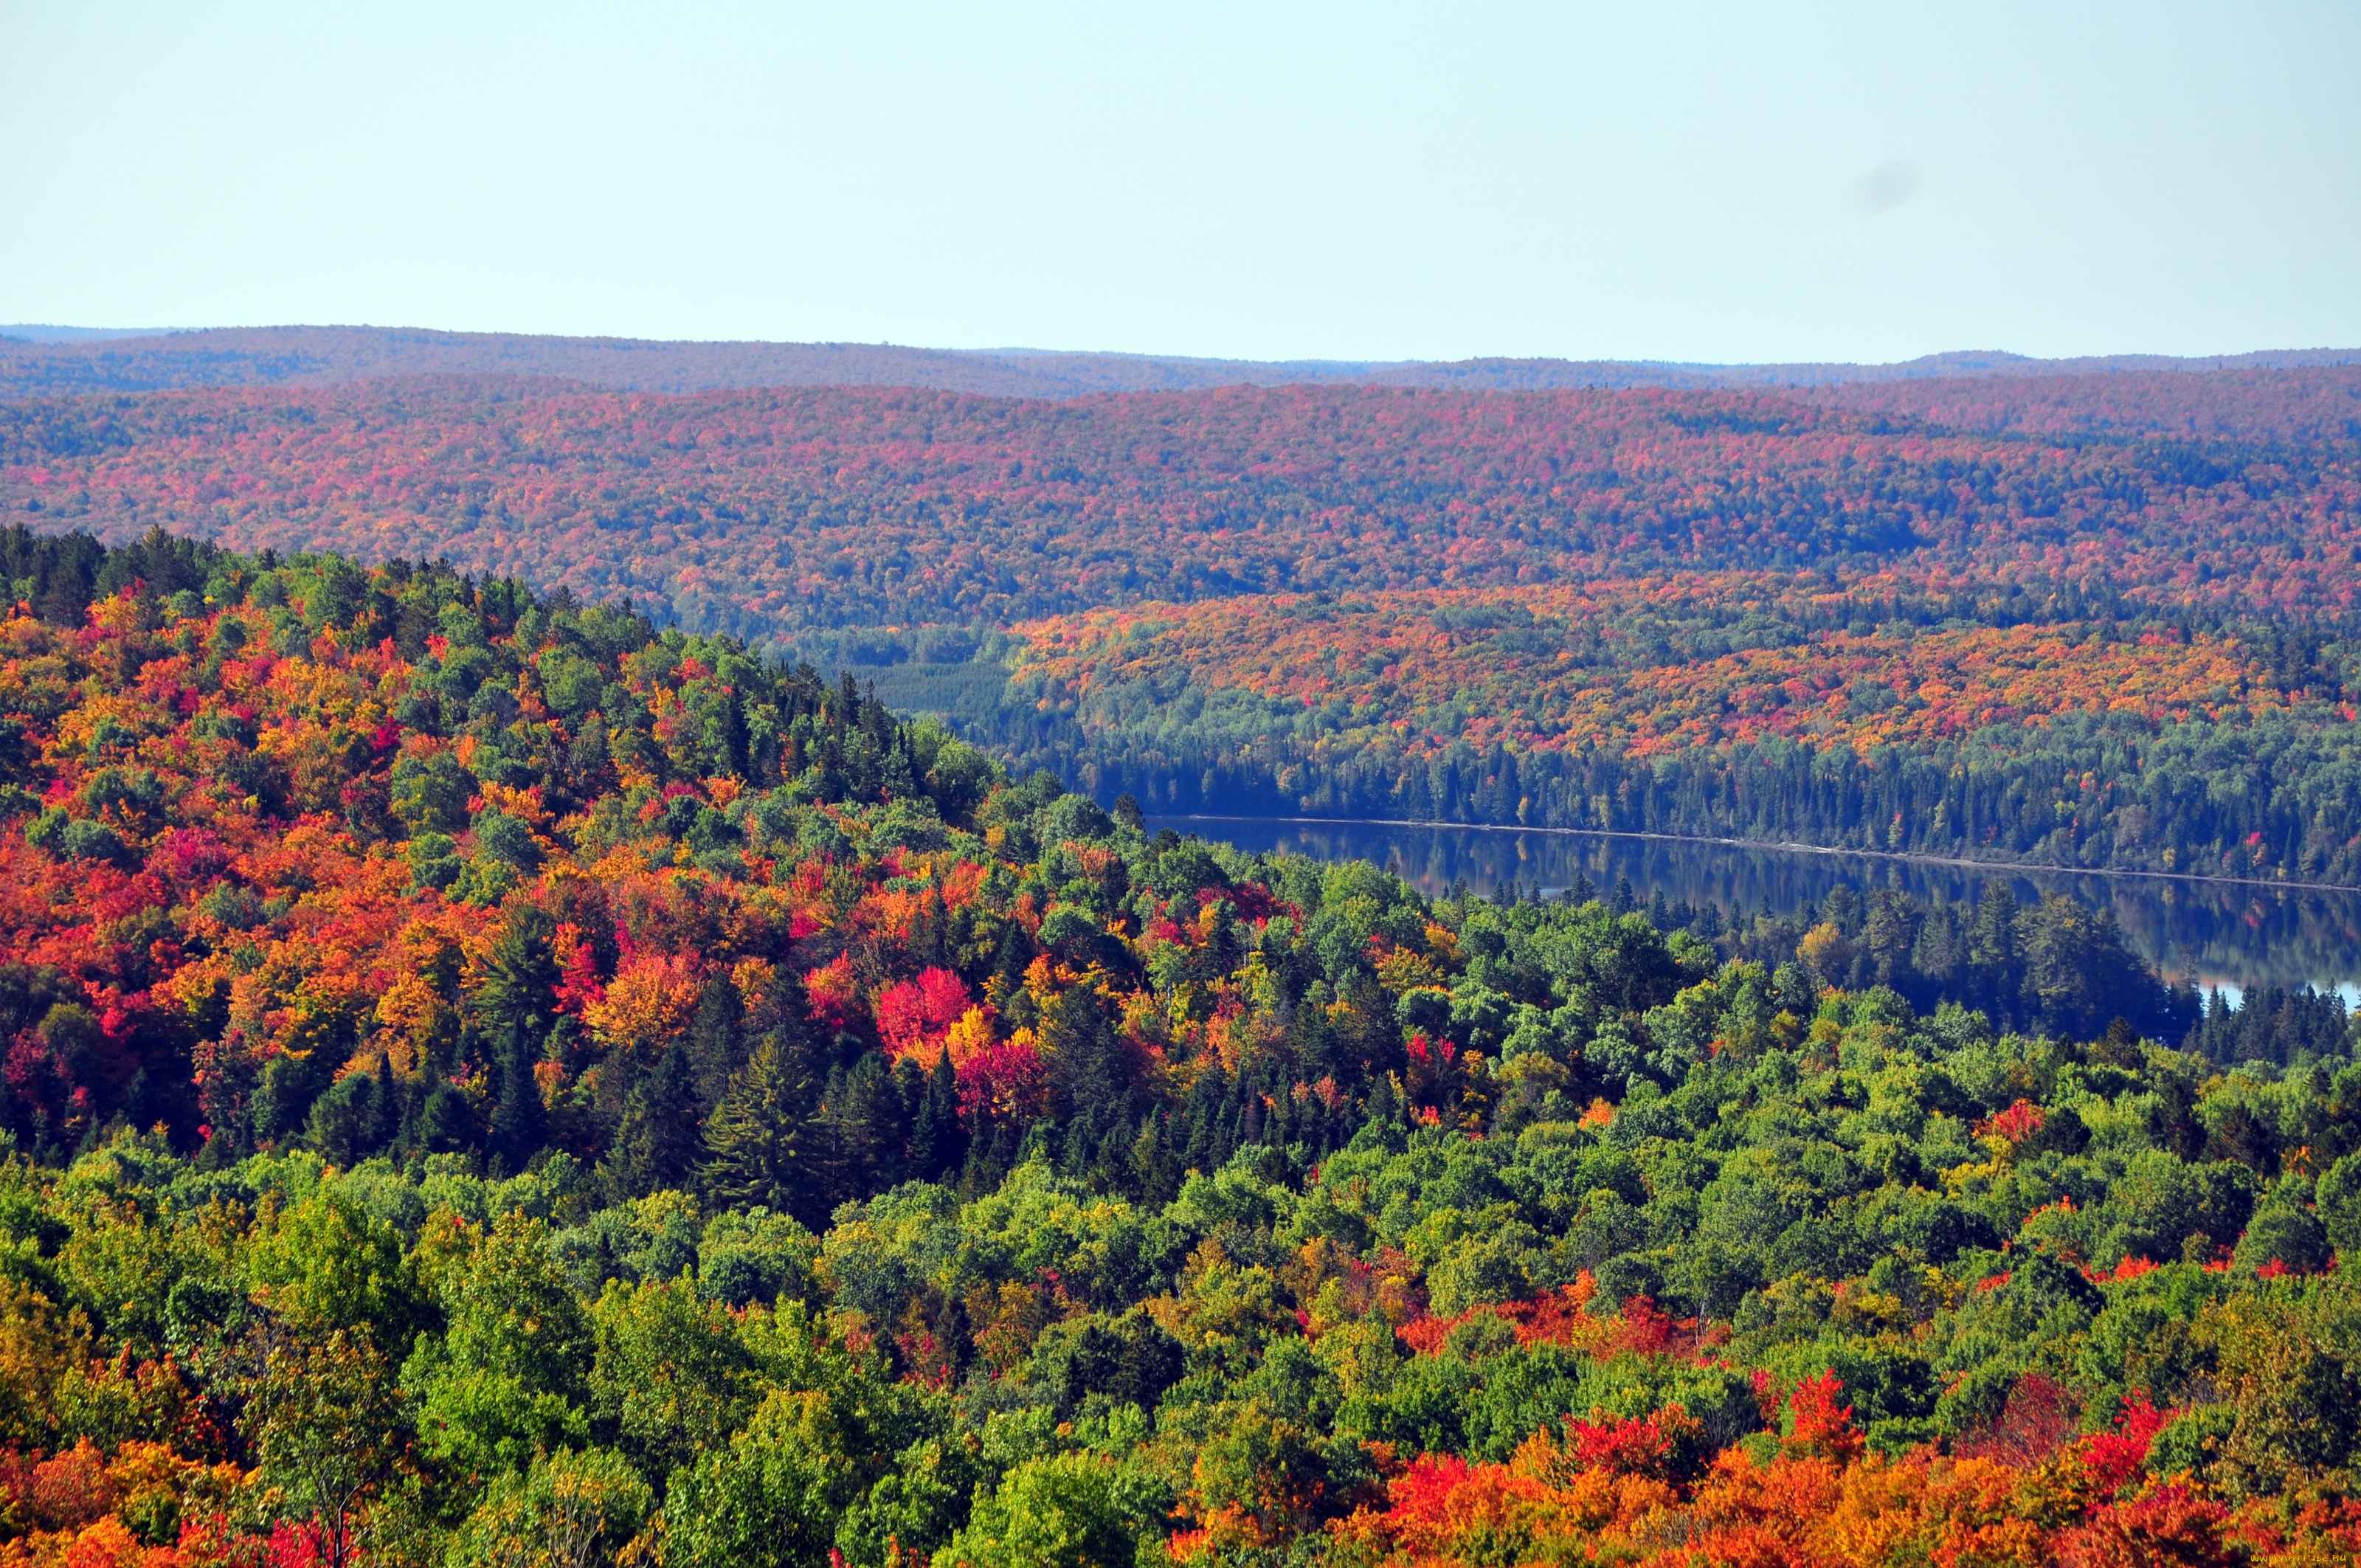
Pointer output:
2227, 934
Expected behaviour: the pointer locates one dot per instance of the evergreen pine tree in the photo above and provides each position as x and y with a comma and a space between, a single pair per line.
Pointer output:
1088, 1075
1204, 1111
518, 1119
937, 1143
760, 1139
656, 1142
714, 1052
988, 1161
1015, 954
1154, 1169
384, 1122
1037, 1147
514, 995
868, 1128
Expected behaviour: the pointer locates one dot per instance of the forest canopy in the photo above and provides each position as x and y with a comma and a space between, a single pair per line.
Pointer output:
2101, 620
491, 1078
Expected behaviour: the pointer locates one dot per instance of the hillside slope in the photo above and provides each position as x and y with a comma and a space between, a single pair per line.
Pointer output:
492, 1081
2101, 620
764, 512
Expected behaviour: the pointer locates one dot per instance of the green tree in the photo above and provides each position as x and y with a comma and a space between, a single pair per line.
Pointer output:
508, 1376
760, 1140
327, 1425
658, 1140
670, 1379
570, 1510
431, 794
328, 1263
772, 1497
1068, 1510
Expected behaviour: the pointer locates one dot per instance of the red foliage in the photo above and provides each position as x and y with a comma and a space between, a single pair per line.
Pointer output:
1648, 1330
579, 985
70, 1489
914, 1015
1631, 1445
1422, 1493
2169, 1526
1822, 1426
295, 1546
833, 993
2038, 1420
2129, 1269
2016, 1124
2113, 1458
1004, 1081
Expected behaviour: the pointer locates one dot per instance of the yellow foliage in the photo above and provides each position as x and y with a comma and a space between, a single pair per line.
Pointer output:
970, 1033
651, 998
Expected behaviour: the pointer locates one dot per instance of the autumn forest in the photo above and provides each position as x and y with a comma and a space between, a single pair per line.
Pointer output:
593, 977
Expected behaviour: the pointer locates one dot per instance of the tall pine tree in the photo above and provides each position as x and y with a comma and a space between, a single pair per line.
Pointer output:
938, 1142
657, 1142
761, 1143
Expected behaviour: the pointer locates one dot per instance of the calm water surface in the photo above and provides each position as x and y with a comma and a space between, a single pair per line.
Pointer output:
2225, 933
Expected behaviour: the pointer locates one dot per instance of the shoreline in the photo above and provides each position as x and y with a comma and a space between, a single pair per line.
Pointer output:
1779, 845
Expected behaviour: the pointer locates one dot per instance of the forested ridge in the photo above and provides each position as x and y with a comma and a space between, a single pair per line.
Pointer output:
765, 512
39, 362
1771, 707
2100, 620
491, 1080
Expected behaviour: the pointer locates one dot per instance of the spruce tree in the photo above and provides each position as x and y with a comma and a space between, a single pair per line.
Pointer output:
1154, 1167
938, 1143
760, 1141
657, 1143
867, 1126
714, 1051
1088, 1075
513, 996
385, 1109
518, 1119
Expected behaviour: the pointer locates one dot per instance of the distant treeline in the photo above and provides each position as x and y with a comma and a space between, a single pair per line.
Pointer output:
2274, 799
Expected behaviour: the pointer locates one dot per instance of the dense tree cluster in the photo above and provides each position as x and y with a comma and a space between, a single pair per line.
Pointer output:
2099, 622
492, 1081
759, 512
2002, 727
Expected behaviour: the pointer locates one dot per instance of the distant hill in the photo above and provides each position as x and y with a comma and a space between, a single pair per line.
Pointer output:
766, 511
42, 331
50, 360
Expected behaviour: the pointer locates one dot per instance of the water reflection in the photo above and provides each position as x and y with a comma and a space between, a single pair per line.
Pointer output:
2224, 934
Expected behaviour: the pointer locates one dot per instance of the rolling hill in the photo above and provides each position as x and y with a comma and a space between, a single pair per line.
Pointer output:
53, 360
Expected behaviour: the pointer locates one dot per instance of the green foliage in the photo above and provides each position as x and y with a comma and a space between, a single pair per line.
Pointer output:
1067, 1511
742, 1160
507, 1378
570, 1510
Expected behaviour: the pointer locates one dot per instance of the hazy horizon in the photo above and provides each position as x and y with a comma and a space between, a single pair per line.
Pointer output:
50, 333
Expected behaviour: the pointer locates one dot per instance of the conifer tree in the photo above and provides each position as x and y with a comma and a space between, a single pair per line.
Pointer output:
715, 1052
657, 1142
938, 1143
761, 1142
867, 1128
384, 1122
518, 1118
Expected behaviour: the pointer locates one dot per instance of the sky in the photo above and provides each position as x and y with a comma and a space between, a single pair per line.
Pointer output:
1715, 183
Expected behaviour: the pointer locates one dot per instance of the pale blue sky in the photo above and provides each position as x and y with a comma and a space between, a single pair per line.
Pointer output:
1263, 180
